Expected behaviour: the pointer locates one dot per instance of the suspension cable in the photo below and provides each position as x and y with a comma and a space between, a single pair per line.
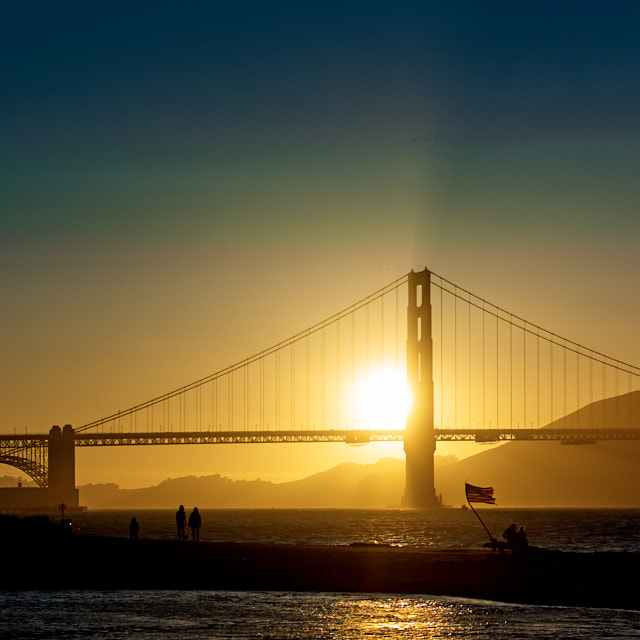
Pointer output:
531, 328
364, 302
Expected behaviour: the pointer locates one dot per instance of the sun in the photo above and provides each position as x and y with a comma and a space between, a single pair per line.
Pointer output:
382, 399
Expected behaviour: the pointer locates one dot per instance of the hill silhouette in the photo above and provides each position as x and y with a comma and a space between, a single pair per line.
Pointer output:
548, 474
347, 485
552, 474
527, 474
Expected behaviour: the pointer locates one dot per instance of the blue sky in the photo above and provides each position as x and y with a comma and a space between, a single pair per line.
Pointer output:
165, 168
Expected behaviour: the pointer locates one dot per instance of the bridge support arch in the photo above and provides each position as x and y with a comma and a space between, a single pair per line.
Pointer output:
420, 439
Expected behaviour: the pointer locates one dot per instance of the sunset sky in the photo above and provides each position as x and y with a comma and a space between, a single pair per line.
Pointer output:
185, 185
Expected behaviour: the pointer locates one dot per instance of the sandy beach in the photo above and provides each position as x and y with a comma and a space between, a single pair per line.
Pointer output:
536, 577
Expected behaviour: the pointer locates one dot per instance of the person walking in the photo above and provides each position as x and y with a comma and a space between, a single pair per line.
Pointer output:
195, 521
181, 522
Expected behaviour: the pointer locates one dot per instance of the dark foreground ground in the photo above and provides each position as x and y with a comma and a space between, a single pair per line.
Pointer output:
48, 559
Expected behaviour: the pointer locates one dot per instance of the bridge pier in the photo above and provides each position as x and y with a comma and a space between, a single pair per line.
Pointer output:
62, 466
420, 440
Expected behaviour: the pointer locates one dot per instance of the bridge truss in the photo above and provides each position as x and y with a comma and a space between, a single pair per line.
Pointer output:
27, 453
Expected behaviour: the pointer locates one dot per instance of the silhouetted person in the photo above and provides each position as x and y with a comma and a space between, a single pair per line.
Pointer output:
511, 534
195, 521
134, 527
181, 522
516, 538
521, 538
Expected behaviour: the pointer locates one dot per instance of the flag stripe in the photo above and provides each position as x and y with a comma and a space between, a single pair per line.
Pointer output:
479, 494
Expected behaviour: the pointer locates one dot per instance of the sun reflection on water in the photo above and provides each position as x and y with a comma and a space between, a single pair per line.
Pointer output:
399, 617
218, 615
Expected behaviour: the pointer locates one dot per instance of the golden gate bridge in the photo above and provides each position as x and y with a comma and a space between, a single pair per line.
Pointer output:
420, 360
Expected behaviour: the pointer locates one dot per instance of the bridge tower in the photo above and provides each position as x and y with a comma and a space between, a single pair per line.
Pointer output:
62, 466
420, 440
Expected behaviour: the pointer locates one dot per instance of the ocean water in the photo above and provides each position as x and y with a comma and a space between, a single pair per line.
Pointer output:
141, 615
289, 616
562, 529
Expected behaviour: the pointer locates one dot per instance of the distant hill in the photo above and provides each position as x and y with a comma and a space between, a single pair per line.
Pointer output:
550, 474
347, 485
622, 411
523, 474
606, 474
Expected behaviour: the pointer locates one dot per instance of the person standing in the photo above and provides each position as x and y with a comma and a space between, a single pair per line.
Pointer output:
181, 522
195, 521
134, 527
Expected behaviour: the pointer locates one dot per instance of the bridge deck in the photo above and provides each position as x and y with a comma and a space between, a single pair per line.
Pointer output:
349, 436
353, 436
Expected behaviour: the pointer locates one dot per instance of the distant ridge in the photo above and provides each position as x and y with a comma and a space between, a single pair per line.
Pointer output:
622, 411
541, 474
348, 485
549, 474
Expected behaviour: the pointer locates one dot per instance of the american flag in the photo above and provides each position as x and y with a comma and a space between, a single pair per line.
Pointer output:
479, 494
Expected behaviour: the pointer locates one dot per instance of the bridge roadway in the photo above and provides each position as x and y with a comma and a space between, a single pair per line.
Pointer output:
14, 442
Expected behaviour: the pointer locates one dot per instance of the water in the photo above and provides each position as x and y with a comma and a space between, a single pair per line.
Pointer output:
224, 614
562, 529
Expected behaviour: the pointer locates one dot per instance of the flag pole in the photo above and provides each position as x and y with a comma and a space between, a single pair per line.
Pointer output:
491, 538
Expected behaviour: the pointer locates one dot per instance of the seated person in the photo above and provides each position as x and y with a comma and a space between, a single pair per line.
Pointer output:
511, 534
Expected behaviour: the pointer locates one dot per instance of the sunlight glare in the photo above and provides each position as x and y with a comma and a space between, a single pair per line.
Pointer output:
382, 399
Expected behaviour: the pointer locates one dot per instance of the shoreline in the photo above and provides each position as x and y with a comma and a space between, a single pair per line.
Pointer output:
59, 562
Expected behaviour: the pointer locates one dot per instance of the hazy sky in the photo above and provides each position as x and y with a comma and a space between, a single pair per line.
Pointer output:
185, 185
